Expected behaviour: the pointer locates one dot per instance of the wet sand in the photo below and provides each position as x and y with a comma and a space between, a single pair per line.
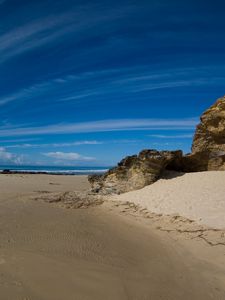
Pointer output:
103, 252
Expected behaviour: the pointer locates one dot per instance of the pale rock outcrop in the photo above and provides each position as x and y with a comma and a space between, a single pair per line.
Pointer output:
208, 148
135, 172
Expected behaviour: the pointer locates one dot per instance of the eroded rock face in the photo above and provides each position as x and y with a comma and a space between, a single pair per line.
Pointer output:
208, 149
134, 172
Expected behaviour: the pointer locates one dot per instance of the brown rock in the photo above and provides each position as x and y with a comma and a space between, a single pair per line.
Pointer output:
134, 172
208, 149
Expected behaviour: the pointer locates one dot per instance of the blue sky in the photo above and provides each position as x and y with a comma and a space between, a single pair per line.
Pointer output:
88, 82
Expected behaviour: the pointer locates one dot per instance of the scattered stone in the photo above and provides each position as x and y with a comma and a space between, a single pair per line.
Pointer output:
6, 171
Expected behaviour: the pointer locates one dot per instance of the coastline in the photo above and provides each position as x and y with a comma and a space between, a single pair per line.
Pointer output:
49, 171
8, 172
63, 169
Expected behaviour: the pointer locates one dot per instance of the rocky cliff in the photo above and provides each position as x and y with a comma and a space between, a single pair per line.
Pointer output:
209, 141
135, 172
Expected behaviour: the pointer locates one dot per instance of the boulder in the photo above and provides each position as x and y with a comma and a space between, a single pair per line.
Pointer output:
134, 172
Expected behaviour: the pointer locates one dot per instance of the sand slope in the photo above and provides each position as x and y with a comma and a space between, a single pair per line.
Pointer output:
197, 196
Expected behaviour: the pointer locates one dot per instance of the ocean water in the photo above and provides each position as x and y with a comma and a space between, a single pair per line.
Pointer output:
57, 170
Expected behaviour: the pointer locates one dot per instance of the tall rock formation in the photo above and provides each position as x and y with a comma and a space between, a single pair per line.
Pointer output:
208, 148
135, 172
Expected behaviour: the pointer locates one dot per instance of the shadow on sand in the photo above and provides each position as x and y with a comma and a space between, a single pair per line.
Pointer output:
168, 174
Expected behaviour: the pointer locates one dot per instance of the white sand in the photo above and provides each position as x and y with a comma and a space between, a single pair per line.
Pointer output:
197, 196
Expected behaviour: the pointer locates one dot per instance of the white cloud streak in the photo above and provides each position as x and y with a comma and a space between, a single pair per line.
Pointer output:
54, 145
102, 83
18, 140
68, 156
181, 136
45, 30
30, 92
103, 126
25, 37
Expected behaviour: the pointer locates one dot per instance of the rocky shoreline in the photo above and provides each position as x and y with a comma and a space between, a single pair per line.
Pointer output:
7, 171
12, 172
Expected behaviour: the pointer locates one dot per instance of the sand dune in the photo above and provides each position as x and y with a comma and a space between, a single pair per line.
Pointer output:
197, 196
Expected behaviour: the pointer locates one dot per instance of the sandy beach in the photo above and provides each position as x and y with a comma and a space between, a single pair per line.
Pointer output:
110, 251
112, 150
197, 196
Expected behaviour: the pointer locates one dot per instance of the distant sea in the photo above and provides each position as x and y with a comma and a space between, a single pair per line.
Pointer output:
56, 170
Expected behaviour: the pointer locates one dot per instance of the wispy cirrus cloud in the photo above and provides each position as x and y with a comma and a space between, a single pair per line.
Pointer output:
46, 88
31, 35
89, 86
49, 29
175, 136
54, 145
104, 126
69, 144
24, 94
18, 140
